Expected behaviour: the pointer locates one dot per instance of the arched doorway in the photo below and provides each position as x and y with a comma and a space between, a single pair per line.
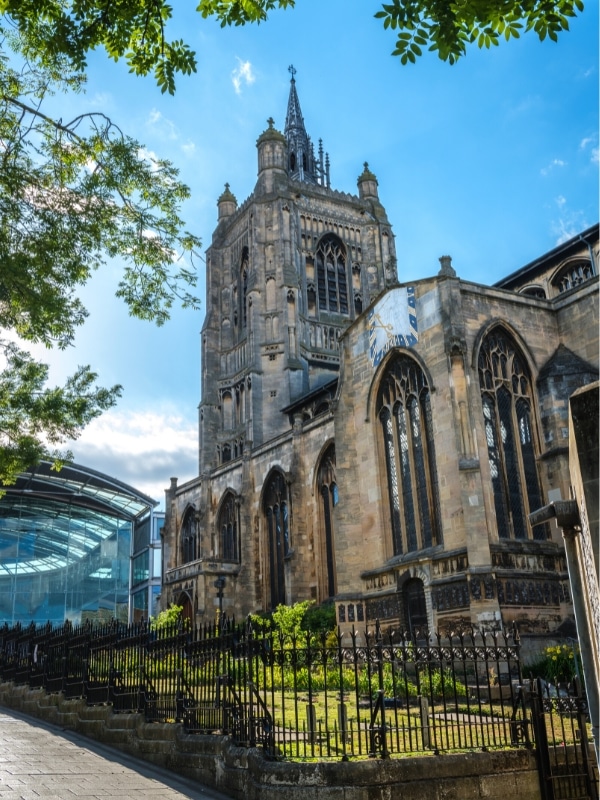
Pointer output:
185, 602
415, 607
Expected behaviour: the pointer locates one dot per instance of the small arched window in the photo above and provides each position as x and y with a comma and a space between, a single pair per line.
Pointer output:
535, 291
276, 511
508, 412
404, 411
228, 528
189, 537
332, 282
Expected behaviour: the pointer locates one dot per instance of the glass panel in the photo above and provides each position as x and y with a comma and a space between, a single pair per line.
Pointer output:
496, 468
141, 536
529, 466
507, 434
407, 481
393, 489
420, 472
156, 563
141, 568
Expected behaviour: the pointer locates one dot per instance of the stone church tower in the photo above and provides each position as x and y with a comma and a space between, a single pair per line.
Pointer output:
374, 443
286, 273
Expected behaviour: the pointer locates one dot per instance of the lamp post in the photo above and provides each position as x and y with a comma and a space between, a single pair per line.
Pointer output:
219, 585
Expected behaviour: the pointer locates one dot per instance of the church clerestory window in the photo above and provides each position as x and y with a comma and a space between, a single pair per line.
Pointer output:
332, 281
509, 430
228, 528
404, 411
189, 549
572, 275
276, 511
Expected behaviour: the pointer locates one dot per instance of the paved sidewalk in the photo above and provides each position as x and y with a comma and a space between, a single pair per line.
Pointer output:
43, 762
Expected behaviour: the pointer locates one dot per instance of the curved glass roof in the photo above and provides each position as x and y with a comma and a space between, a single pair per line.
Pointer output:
51, 519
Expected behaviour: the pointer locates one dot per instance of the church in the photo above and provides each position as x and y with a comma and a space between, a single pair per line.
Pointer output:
375, 443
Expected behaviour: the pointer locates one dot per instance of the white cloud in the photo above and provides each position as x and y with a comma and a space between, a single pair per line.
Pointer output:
242, 73
189, 148
143, 448
587, 142
161, 126
150, 156
556, 162
103, 100
569, 223
595, 155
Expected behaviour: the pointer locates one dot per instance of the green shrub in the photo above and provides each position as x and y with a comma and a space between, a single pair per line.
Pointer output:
556, 665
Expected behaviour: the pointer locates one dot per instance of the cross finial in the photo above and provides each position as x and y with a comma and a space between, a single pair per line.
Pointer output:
366, 166
270, 122
292, 70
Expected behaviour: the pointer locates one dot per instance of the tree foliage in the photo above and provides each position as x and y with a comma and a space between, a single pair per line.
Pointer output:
72, 194
448, 27
136, 30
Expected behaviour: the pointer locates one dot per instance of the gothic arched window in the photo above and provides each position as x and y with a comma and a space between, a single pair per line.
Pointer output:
332, 282
404, 411
228, 528
508, 422
328, 490
189, 537
276, 510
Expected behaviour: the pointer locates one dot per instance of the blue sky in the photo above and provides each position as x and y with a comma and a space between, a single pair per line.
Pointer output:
493, 161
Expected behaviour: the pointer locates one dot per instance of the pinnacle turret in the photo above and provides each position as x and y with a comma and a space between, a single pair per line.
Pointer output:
302, 164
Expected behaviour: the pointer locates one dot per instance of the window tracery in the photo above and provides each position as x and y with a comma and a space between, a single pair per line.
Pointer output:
332, 282
404, 411
507, 402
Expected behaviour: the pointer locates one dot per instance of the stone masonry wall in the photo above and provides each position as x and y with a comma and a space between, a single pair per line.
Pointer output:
245, 773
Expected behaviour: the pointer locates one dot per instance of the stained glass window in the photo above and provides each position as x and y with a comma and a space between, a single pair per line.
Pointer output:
507, 413
404, 412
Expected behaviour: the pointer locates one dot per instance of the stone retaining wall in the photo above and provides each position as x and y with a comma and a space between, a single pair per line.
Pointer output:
246, 774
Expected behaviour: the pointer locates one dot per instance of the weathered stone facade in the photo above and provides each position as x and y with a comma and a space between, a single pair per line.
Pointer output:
373, 441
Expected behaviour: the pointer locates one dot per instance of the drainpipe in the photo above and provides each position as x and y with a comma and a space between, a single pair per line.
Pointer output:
589, 247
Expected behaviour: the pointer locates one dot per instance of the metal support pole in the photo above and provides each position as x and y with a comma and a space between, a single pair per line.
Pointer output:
566, 514
584, 633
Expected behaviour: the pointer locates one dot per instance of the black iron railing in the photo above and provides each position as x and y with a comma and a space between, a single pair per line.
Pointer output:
369, 693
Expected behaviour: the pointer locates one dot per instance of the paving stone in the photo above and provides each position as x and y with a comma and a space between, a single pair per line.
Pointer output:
41, 762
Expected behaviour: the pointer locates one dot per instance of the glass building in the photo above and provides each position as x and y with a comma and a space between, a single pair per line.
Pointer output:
66, 541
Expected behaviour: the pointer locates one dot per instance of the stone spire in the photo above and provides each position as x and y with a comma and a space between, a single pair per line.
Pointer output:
302, 164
